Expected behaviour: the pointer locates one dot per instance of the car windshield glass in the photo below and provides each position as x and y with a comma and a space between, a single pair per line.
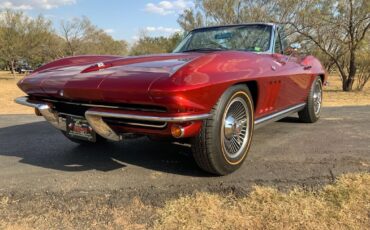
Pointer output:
254, 38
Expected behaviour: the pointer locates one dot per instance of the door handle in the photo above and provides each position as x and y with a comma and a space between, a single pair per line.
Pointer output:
307, 67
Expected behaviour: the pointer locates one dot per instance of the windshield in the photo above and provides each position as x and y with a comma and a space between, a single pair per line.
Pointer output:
254, 38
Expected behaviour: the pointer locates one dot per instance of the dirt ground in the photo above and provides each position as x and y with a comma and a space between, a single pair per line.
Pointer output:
8, 92
334, 96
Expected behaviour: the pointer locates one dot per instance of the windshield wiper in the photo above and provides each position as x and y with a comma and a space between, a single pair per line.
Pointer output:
204, 49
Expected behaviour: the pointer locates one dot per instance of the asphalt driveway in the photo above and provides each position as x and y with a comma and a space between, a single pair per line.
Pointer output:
36, 157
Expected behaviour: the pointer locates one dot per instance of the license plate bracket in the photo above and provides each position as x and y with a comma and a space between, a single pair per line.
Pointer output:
79, 128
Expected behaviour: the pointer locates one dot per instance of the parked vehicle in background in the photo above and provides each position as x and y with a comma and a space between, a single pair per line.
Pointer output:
218, 85
23, 69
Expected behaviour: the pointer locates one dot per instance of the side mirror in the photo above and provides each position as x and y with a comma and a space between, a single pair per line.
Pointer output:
292, 49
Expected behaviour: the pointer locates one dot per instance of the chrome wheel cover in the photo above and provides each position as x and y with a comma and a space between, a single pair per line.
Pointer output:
317, 98
235, 128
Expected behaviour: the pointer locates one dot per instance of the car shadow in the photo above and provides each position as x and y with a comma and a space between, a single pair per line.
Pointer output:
41, 145
290, 120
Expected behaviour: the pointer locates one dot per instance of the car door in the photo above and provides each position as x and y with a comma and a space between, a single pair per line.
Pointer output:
294, 77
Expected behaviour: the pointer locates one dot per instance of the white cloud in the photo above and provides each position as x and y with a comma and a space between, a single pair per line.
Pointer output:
34, 4
161, 29
109, 31
168, 7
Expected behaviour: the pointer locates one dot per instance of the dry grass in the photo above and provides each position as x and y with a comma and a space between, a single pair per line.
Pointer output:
8, 92
342, 205
333, 96
73, 212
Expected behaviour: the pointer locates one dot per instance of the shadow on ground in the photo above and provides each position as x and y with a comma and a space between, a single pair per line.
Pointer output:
287, 143
41, 145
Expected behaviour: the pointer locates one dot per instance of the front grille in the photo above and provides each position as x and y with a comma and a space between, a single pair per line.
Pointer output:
70, 109
76, 108
80, 106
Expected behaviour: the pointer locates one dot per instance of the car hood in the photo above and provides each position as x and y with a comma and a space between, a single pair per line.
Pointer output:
96, 78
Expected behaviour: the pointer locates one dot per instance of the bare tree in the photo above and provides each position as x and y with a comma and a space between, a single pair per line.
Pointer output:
363, 70
82, 37
190, 19
337, 28
332, 29
73, 33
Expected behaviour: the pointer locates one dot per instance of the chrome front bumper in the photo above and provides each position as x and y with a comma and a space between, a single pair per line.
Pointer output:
95, 117
51, 116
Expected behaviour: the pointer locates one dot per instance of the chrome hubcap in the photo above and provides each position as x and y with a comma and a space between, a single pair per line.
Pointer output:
317, 98
235, 130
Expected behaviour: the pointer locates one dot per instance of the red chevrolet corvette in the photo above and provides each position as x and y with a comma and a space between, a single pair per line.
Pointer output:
217, 86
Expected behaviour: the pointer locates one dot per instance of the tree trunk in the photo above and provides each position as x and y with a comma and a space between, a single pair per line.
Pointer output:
12, 68
348, 84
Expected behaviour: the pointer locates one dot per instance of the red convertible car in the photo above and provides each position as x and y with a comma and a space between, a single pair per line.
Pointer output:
217, 86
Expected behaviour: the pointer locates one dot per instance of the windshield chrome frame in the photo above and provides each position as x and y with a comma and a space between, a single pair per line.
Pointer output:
270, 50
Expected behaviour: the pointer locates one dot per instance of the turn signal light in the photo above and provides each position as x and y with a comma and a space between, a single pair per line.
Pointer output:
37, 112
177, 131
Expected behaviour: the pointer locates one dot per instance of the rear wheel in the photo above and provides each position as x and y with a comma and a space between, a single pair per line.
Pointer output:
312, 110
225, 138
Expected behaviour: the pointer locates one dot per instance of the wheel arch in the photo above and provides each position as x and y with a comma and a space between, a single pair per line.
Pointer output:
322, 77
253, 88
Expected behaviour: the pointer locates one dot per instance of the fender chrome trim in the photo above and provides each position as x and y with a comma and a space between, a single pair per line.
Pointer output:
91, 112
278, 115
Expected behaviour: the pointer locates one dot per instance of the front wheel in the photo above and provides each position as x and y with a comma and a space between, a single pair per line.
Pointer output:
312, 110
225, 138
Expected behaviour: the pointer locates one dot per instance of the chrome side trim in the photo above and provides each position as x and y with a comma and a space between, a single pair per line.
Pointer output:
277, 116
147, 118
45, 110
95, 119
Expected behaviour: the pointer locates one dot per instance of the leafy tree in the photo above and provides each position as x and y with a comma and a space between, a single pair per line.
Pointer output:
33, 41
155, 45
42, 45
26, 40
12, 37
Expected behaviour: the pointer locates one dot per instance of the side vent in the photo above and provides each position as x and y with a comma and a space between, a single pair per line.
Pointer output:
273, 90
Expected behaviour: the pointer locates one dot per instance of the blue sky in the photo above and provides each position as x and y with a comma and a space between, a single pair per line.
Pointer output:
123, 19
